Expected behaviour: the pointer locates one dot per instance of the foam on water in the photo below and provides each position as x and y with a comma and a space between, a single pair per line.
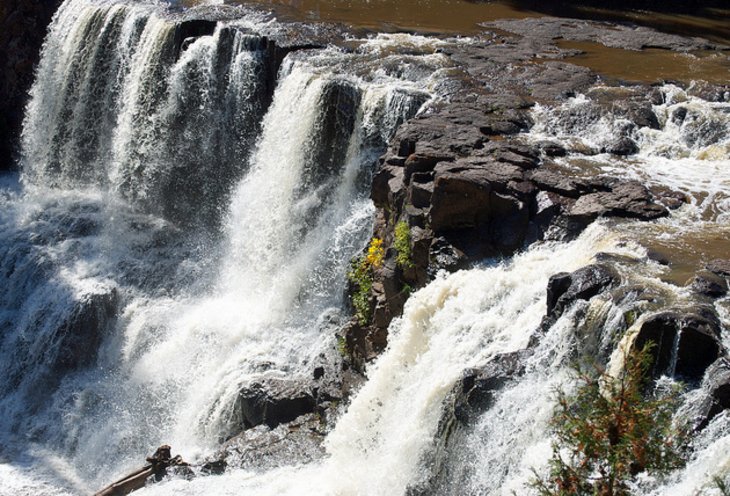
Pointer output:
184, 230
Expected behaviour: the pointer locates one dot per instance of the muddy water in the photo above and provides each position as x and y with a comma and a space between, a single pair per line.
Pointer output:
464, 17
650, 65
433, 16
683, 252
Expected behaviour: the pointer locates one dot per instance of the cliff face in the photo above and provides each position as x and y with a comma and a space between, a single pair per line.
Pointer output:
23, 26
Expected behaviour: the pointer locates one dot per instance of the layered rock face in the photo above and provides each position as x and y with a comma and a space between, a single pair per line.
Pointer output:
469, 186
22, 29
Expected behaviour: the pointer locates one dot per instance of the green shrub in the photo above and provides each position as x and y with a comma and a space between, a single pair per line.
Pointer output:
609, 431
403, 244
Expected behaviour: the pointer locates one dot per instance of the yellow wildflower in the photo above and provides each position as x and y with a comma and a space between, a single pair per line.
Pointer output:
376, 253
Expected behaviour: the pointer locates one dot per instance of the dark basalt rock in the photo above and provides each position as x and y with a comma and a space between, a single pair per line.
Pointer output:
273, 402
189, 29
297, 441
23, 25
610, 35
709, 284
474, 392
79, 337
698, 330
460, 201
719, 267
566, 288
716, 386
717, 381
625, 199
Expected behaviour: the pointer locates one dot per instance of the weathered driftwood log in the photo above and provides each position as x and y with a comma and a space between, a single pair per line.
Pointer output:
156, 467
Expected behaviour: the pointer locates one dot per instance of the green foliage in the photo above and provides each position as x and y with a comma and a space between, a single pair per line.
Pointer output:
342, 346
722, 486
609, 431
403, 244
361, 274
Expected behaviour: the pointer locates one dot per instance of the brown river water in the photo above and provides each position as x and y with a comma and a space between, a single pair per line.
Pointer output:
461, 17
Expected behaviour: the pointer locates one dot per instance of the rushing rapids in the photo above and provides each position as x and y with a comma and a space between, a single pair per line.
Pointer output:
191, 195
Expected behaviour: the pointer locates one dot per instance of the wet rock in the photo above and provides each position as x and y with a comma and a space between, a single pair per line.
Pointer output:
564, 288
460, 201
631, 103
552, 149
717, 381
297, 441
273, 402
557, 181
669, 198
552, 81
719, 267
710, 92
623, 146
626, 199
338, 109
445, 256
716, 386
474, 392
611, 35
697, 346
189, 29
23, 25
709, 284
79, 337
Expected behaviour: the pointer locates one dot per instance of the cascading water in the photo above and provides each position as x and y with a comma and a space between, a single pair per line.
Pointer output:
132, 331
183, 230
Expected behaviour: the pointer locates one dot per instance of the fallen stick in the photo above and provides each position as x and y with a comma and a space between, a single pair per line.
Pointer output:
157, 467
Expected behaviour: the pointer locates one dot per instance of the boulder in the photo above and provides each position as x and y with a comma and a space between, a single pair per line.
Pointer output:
474, 392
709, 284
625, 199
297, 441
273, 401
686, 342
716, 389
719, 267
79, 337
564, 288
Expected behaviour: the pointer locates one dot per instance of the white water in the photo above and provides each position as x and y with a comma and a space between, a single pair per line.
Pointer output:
224, 229
462, 320
123, 143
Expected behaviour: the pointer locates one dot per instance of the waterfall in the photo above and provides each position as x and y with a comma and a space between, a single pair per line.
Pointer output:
190, 199
183, 230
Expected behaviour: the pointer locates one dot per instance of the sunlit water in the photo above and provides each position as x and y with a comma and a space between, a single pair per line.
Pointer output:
180, 231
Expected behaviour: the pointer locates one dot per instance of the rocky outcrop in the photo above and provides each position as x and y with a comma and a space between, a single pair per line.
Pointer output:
79, 337
469, 187
716, 387
474, 392
272, 401
610, 35
564, 288
23, 26
297, 441
686, 341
